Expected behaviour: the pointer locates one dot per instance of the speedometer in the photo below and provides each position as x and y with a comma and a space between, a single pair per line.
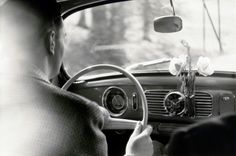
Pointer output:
115, 101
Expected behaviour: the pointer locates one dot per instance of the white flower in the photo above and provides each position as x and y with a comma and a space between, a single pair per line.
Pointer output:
177, 65
204, 66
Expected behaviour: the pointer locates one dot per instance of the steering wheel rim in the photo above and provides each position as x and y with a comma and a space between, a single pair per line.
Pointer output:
127, 74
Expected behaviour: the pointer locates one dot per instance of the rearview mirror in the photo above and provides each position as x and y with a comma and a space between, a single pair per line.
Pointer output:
168, 24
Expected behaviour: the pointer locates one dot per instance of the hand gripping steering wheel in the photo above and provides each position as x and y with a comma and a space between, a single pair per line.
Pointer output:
116, 123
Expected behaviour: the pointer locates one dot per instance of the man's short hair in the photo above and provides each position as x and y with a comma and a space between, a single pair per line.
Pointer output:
47, 10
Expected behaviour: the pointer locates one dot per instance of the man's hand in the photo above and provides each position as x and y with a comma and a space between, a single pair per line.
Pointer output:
140, 142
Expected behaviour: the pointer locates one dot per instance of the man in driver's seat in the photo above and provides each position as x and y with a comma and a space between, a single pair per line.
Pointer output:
37, 118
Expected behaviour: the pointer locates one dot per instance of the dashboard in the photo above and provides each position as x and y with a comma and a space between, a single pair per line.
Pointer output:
214, 96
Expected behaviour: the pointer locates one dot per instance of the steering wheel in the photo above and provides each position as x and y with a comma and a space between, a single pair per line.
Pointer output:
116, 123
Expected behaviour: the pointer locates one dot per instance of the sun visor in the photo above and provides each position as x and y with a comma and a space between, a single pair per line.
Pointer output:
70, 6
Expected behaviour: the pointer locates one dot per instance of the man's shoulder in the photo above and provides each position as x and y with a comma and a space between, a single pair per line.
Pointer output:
215, 136
212, 126
62, 95
69, 101
224, 121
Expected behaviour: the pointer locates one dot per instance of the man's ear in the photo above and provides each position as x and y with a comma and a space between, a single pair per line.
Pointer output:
51, 41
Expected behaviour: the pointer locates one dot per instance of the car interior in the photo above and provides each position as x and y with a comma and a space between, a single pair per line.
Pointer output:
140, 67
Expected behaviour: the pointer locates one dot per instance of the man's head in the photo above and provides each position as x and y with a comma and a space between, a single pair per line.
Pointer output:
35, 27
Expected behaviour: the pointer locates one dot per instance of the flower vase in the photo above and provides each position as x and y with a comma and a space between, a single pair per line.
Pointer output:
188, 89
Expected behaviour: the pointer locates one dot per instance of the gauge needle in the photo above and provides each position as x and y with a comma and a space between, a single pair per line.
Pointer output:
117, 101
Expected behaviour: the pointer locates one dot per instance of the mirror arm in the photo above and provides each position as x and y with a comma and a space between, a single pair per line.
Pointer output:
173, 8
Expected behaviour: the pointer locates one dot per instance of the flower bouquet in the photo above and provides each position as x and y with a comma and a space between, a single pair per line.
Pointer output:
182, 67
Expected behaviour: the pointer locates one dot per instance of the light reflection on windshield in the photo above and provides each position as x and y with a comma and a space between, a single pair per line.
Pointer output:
122, 34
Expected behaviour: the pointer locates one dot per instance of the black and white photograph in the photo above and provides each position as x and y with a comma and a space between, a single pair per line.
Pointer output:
117, 77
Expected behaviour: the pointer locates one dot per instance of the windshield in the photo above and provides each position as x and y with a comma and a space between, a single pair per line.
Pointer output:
123, 34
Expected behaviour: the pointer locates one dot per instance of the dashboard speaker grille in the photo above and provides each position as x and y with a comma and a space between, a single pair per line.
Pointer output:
155, 100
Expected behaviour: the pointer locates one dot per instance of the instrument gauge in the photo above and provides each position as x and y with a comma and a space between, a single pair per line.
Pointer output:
174, 103
115, 101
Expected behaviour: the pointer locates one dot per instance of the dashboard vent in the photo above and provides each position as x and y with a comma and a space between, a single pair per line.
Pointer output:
155, 100
203, 104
